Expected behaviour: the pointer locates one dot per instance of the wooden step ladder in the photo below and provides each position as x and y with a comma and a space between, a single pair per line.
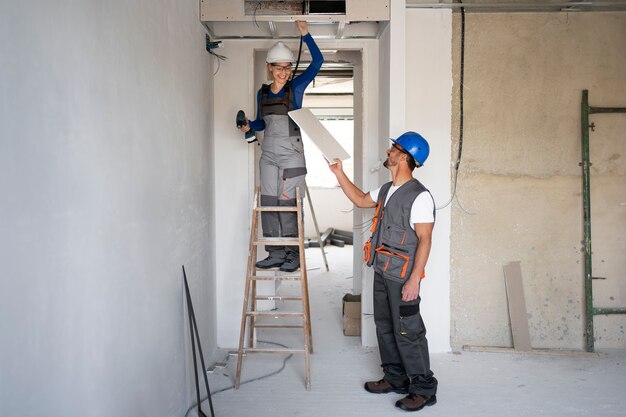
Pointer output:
250, 314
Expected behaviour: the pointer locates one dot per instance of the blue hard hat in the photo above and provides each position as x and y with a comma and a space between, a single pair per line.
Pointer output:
414, 144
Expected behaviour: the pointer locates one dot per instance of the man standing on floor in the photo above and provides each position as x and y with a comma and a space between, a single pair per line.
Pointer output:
398, 250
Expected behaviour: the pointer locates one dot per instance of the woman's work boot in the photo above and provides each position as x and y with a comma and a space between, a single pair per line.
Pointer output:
270, 262
291, 263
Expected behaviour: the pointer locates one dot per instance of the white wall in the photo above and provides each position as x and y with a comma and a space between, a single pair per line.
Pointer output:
416, 83
429, 112
105, 145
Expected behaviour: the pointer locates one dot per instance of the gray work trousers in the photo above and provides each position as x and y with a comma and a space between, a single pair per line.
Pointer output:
283, 168
402, 339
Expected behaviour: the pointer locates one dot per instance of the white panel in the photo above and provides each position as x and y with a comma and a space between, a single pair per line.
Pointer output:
429, 111
318, 133
397, 70
367, 10
219, 10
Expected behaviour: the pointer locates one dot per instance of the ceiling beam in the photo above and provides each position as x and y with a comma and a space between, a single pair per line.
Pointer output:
556, 6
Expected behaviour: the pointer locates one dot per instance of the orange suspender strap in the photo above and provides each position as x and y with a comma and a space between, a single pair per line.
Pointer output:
375, 219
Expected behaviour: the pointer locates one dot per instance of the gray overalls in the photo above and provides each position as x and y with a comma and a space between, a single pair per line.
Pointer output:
282, 167
399, 327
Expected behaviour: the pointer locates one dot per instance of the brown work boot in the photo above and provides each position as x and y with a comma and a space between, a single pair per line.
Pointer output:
383, 387
415, 402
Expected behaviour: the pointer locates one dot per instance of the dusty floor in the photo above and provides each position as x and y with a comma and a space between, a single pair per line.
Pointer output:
470, 383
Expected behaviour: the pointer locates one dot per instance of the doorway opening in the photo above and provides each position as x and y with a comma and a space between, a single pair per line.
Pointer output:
335, 98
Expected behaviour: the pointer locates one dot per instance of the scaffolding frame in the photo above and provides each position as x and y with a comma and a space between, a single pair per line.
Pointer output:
590, 310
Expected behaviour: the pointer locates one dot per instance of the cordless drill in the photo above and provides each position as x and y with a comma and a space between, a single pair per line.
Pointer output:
250, 135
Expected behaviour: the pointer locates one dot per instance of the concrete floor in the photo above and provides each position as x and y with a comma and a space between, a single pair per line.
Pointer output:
470, 383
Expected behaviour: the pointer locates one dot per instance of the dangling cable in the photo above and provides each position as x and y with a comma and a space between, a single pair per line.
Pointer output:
293, 74
461, 115
462, 88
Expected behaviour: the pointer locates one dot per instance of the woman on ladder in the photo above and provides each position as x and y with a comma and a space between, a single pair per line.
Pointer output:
282, 164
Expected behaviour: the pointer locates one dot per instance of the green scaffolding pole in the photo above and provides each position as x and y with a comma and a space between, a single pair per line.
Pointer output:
590, 310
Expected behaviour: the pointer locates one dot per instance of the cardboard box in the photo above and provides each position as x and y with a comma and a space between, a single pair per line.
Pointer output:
352, 315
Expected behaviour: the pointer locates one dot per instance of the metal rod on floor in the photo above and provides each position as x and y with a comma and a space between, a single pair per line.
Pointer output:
195, 337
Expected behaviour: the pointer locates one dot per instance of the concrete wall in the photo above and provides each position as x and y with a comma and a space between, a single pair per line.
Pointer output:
520, 183
105, 150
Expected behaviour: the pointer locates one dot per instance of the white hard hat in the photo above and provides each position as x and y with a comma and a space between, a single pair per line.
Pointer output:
279, 53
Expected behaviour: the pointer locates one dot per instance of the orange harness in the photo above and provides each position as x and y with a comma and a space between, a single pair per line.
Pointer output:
367, 249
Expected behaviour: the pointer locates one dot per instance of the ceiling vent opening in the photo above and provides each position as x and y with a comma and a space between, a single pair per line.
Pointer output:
294, 7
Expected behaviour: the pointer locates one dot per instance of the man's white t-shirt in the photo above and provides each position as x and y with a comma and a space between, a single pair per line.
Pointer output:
421, 210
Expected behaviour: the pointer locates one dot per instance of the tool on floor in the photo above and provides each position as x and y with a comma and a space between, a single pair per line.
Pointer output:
195, 337
250, 315
317, 229
240, 120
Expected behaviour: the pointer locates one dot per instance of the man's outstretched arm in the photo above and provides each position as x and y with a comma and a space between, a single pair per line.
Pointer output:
357, 196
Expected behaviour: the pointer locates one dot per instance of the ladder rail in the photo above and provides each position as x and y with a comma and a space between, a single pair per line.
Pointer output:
308, 337
244, 317
252, 319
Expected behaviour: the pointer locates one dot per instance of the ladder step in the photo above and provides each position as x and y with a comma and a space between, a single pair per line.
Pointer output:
276, 277
273, 314
277, 298
259, 350
276, 208
278, 326
277, 241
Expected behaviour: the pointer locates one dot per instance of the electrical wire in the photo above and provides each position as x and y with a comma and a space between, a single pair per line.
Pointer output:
293, 74
455, 195
250, 380
256, 8
254, 13
363, 226
210, 47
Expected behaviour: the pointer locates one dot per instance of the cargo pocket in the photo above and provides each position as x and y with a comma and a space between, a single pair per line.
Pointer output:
392, 262
394, 235
292, 178
296, 144
409, 320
